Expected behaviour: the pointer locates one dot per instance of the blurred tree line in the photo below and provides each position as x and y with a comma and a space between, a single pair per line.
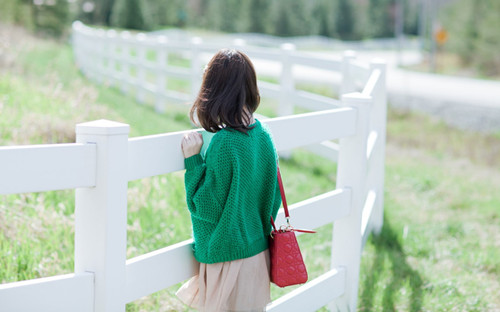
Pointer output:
474, 33
473, 26
344, 19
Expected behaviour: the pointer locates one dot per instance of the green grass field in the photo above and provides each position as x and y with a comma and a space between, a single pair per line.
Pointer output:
439, 249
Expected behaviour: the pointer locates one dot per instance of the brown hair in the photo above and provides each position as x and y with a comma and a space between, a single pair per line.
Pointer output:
229, 95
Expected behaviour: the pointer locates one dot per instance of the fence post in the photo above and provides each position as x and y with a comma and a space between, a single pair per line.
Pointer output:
287, 86
351, 173
112, 47
91, 54
161, 79
125, 58
141, 64
110, 50
76, 39
379, 117
100, 56
347, 85
195, 67
101, 214
239, 44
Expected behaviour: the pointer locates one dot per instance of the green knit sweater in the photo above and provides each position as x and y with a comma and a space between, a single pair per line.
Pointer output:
232, 194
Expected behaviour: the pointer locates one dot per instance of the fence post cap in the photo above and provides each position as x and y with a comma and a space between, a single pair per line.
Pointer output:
239, 42
349, 54
102, 127
77, 25
111, 33
196, 40
162, 39
378, 62
125, 34
288, 46
355, 98
141, 37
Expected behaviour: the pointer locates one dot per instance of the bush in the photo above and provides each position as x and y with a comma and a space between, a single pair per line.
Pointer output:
473, 31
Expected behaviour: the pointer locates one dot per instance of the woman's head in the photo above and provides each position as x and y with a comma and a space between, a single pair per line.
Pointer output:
229, 94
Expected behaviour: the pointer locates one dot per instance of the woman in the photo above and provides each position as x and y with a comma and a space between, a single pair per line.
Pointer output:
232, 192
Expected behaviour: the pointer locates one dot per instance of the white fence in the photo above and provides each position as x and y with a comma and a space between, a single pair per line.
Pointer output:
102, 161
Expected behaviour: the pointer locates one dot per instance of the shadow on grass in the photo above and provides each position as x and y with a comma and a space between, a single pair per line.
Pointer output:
388, 248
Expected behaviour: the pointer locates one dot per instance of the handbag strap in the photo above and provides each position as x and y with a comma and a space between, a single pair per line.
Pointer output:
285, 206
283, 197
283, 200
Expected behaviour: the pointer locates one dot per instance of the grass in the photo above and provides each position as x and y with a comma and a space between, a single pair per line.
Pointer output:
448, 63
438, 249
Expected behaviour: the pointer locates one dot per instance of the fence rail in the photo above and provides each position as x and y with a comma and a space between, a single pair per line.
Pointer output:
104, 159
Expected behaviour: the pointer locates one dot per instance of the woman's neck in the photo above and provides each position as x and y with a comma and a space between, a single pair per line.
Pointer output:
251, 120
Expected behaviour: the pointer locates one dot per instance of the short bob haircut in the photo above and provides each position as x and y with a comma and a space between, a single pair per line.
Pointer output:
229, 95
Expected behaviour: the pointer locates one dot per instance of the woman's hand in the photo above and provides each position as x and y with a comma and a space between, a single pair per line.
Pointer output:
191, 144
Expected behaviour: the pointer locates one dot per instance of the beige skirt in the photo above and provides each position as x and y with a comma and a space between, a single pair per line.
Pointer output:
239, 285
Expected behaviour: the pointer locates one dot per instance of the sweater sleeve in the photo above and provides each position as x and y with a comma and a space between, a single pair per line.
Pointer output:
203, 183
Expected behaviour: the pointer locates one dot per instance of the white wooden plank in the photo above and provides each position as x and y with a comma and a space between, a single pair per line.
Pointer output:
313, 295
175, 96
314, 61
372, 82
176, 72
370, 144
317, 211
326, 149
166, 94
160, 154
360, 71
159, 269
155, 154
366, 215
62, 293
255, 53
314, 102
305, 129
268, 89
37, 168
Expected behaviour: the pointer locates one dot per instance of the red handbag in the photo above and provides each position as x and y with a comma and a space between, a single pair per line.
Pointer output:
287, 264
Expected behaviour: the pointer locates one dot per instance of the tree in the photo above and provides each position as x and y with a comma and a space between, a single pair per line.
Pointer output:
381, 19
255, 16
323, 18
18, 12
95, 12
128, 14
223, 15
344, 22
411, 13
473, 34
290, 18
166, 13
51, 17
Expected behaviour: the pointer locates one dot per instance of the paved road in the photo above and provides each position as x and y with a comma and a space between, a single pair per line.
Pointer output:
462, 102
